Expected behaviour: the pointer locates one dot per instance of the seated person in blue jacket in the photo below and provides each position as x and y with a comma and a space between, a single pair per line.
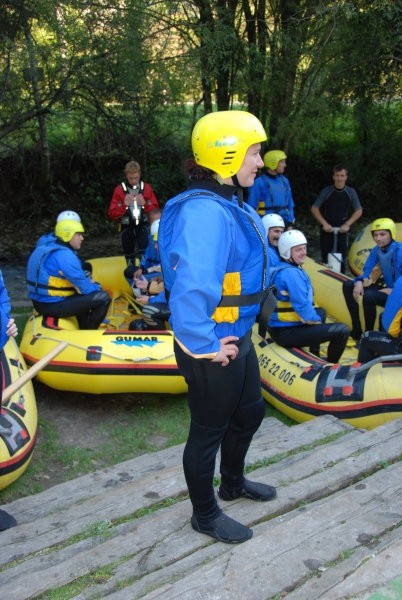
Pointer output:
151, 295
389, 340
150, 264
65, 215
57, 284
295, 321
271, 191
274, 227
8, 328
387, 255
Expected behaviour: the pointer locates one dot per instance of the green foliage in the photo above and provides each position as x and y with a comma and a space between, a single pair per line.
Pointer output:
86, 87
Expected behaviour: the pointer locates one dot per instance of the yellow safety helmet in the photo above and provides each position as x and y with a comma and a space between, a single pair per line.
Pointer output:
384, 224
67, 228
221, 139
272, 158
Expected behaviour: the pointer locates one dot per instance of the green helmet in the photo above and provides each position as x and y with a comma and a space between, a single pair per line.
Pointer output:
67, 228
221, 139
272, 158
384, 224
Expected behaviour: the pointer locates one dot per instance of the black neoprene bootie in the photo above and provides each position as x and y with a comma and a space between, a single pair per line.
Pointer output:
6, 521
261, 492
224, 529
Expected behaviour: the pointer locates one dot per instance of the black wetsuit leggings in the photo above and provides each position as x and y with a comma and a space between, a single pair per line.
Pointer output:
134, 240
313, 335
378, 343
226, 410
90, 309
372, 298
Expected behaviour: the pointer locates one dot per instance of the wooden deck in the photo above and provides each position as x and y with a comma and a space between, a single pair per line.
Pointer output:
334, 531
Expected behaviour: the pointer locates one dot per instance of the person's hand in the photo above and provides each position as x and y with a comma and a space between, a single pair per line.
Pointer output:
344, 228
386, 291
143, 300
12, 330
140, 200
227, 351
141, 282
327, 227
129, 199
358, 290
137, 273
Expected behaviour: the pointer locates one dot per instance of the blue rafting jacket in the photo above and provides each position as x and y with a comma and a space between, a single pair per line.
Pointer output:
54, 272
295, 297
212, 252
392, 316
272, 194
390, 261
151, 258
274, 258
5, 310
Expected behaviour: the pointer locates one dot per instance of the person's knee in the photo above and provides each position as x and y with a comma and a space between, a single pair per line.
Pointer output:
251, 415
339, 330
101, 298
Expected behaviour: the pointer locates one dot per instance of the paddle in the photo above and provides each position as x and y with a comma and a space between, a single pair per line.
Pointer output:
32, 371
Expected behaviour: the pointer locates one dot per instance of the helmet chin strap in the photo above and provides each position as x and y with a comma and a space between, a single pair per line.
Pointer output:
240, 190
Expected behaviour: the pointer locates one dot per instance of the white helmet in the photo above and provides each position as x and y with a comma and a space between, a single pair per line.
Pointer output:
288, 240
154, 229
272, 220
68, 215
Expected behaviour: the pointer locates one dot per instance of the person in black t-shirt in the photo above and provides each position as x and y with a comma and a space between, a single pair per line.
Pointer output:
337, 205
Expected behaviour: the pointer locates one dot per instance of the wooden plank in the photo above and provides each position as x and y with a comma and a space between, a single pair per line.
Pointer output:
273, 438
358, 573
167, 536
101, 481
284, 552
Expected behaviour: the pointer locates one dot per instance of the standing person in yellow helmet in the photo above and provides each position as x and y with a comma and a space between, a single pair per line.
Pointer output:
271, 191
214, 259
386, 254
57, 283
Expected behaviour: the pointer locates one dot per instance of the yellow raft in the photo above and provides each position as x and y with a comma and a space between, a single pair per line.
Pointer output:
18, 418
303, 386
110, 359
361, 246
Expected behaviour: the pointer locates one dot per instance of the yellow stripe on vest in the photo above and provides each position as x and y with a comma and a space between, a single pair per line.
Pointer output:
231, 287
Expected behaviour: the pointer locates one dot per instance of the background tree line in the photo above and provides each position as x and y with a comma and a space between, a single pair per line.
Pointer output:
85, 86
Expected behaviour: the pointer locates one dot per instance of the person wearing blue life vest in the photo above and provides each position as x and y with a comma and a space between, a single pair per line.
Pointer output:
387, 255
274, 226
214, 259
388, 341
296, 321
8, 328
271, 191
57, 283
46, 238
150, 264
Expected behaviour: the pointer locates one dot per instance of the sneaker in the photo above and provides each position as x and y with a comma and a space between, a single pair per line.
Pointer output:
261, 492
224, 529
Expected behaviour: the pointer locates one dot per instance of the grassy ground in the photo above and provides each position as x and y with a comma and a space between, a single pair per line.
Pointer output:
79, 433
